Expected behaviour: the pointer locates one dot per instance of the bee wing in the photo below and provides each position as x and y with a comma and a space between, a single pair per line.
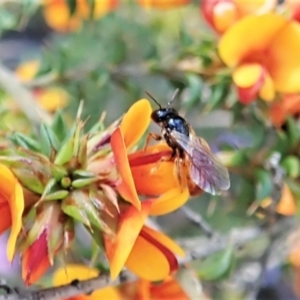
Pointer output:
206, 171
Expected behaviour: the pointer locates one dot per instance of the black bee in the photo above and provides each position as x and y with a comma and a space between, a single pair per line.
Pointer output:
205, 170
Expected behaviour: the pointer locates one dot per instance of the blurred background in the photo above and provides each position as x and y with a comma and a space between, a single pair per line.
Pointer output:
108, 53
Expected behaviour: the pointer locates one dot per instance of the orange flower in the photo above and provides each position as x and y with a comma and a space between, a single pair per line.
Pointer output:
146, 252
58, 16
289, 105
287, 203
168, 289
11, 208
143, 172
146, 290
222, 14
162, 4
72, 272
265, 62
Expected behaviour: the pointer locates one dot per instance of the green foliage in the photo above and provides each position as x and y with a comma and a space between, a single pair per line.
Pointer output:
217, 265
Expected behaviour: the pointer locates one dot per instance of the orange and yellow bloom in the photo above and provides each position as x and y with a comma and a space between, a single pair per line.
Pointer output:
264, 61
58, 16
222, 14
108, 178
280, 110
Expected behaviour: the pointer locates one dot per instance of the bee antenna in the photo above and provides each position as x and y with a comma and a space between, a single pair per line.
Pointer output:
148, 94
176, 92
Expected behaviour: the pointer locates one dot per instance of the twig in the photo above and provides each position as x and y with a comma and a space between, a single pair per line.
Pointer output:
197, 219
12, 86
72, 289
196, 248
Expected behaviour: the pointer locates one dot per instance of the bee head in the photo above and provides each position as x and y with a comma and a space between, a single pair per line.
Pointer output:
163, 114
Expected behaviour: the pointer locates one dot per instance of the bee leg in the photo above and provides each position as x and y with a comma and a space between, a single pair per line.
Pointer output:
180, 172
162, 159
152, 136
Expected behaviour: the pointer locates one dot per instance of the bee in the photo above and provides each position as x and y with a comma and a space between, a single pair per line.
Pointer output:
205, 170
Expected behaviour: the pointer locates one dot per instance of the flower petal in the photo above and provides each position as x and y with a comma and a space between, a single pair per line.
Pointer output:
169, 201
287, 203
284, 52
255, 6
164, 240
126, 187
35, 260
136, 122
151, 175
57, 16
168, 289
72, 272
267, 91
12, 204
243, 41
162, 4
225, 15
100, 8
249, 79
5, 222
247, 75
52, 99
131, 223
27, 70
16, 209
151, 260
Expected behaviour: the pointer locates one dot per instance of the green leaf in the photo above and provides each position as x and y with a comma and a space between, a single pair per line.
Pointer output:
58, 172
79, 183
60, 127
49, 141
65, 153
58, 195
72, 4
79, 206
217, 265
291, 164
264, 185
293, 132
83, 173
24, 141
218, 93
194, 88
29, 180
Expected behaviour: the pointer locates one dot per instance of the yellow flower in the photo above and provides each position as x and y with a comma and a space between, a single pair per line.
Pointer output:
162, 4
72, 272
265, 61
